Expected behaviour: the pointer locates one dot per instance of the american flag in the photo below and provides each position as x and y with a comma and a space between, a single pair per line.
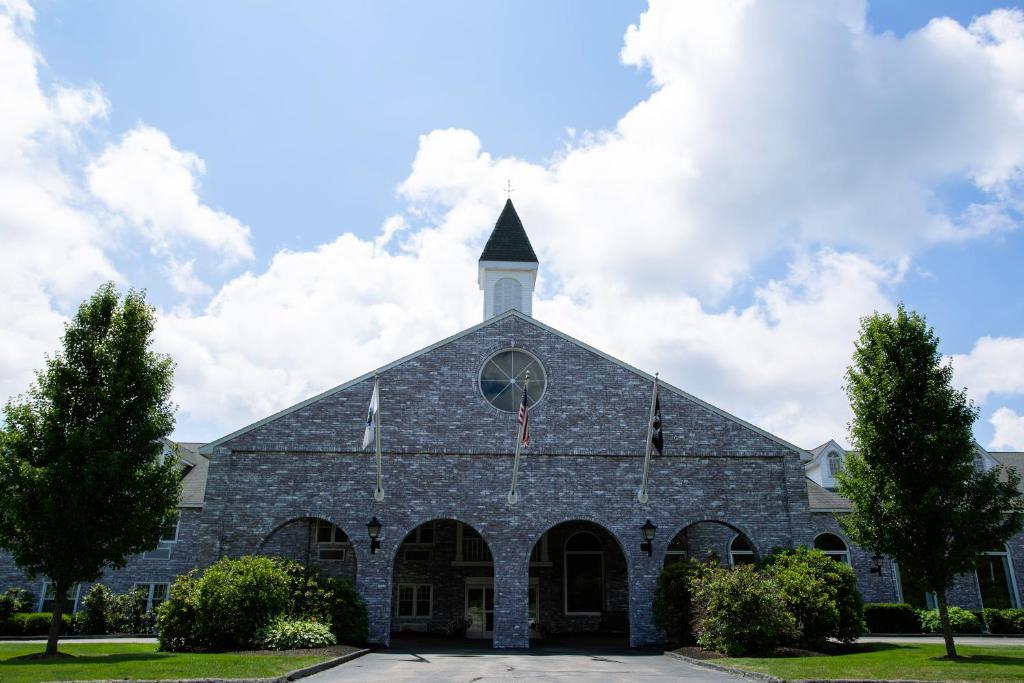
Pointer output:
524, 419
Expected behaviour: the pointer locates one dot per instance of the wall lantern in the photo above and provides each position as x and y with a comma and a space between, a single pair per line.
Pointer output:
648, 530
373, 528
877, 569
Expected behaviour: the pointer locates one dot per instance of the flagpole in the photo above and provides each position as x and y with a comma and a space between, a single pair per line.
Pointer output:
642, 493
512, 495
378, 494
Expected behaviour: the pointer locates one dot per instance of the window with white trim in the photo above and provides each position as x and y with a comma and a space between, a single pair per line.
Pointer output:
677, 549
835, 464
155, 593
415, 600
996, 581
169, 530
979, 463
508, 293
331, 542
833, 546
740, 551
48, 598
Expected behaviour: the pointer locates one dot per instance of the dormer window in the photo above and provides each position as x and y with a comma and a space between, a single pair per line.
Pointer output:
835, 464
979, 463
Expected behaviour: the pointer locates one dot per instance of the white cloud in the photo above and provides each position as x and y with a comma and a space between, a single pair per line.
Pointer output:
771, 135
1009, 430
155, 187
995, 365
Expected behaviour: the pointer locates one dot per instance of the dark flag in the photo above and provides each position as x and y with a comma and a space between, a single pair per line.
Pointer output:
657, 438
524, 419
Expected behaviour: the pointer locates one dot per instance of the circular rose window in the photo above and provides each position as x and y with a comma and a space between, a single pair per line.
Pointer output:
504, 376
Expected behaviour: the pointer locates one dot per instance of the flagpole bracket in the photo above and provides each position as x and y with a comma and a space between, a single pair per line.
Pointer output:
513, 497
642, 497
378, 495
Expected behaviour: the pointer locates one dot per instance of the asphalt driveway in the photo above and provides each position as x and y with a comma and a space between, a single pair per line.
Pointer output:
476, 665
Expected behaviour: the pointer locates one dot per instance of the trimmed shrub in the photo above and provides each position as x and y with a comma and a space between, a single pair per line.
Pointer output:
13, 600
671, 607
237, 597
91, 619
177, 617
34, 624
740, 611
891, 617
960, 619
1004, 620
820, 593
350, 622
126, 613
294, 634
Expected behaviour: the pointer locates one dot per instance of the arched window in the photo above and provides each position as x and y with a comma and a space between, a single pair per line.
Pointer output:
584, 574
508, 293
740, 550
833, 546
835, 464
677, 549
996, 581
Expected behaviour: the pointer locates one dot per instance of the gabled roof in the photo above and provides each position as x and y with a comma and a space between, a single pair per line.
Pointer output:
208, 449
195, 468
508, 240
820, 499
1011, 459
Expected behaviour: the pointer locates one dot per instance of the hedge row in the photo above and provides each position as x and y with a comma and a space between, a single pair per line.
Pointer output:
258, 601
33, 624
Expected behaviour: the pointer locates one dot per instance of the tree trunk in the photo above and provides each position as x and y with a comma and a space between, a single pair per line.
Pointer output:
947, 629
60, 594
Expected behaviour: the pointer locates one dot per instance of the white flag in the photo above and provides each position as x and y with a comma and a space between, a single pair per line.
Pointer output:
371, 418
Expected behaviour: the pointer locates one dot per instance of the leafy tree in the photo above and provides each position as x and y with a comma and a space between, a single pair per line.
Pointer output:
916, 495
80, 454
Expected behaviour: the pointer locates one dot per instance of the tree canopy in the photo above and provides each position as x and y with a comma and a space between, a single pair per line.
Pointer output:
85, 484
916, 494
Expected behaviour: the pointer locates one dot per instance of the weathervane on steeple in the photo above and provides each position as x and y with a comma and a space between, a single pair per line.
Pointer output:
508, 188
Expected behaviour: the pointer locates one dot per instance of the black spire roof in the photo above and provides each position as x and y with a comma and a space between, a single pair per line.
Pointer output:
508, 241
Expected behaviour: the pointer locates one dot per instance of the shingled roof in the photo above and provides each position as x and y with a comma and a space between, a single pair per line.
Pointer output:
508, 241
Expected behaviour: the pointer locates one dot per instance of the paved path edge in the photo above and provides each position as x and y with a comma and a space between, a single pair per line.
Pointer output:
322, 666
725, 669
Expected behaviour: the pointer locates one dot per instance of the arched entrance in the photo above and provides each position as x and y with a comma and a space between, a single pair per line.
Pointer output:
313, 542
443, 583
711, 541
578, 584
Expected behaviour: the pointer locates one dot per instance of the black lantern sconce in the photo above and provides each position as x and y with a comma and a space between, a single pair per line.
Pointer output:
648, 530
373, 528
877, 569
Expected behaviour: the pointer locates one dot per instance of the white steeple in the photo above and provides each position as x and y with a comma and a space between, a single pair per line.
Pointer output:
508, 266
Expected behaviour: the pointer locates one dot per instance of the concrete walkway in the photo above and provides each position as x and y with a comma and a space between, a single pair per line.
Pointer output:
937, 640
480, 666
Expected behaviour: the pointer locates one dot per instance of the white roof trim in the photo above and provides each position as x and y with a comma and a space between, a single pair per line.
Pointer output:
208, 448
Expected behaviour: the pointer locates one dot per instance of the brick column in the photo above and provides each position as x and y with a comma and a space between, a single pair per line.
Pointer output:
643, 581
511, 597
373, 581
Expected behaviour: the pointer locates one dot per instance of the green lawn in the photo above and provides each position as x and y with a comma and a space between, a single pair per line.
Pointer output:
906, 661
135, 660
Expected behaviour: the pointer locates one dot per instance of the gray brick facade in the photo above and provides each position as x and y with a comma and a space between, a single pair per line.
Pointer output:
448, 456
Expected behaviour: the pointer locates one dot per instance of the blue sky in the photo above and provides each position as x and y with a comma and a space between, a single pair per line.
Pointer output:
290, 126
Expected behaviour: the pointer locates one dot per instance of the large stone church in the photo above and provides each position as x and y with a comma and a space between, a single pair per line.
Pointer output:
577, 551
